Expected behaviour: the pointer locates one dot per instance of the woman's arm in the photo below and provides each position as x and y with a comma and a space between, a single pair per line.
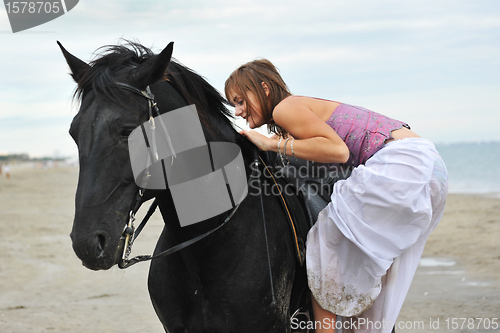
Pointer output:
314, 139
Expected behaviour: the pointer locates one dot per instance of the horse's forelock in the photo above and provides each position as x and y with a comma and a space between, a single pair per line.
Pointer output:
109, 61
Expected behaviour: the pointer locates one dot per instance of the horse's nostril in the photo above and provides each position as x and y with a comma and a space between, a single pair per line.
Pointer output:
101, 245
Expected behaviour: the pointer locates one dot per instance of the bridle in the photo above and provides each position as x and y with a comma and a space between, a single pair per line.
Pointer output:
130, 233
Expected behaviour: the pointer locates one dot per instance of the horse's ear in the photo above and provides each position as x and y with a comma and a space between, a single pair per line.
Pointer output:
153, 69
77, 66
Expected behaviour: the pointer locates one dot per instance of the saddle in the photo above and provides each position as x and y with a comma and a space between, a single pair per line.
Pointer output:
311, 182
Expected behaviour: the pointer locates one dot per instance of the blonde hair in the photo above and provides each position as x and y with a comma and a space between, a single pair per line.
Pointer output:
249, 77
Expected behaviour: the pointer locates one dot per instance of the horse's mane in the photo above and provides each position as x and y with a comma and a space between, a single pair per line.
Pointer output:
101, 76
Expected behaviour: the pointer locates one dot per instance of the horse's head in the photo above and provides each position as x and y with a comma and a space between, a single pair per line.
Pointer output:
107, 115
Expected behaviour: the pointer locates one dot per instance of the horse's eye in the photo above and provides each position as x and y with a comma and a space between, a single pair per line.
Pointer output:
126, 132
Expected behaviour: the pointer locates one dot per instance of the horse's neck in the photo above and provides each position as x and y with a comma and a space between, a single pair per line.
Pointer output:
216, 128
166, 203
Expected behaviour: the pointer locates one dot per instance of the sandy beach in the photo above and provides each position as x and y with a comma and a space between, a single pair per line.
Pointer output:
44, 287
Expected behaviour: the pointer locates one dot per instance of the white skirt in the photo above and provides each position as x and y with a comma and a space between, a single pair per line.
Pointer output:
364, 249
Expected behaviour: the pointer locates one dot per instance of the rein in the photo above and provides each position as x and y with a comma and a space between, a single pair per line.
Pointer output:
130, 234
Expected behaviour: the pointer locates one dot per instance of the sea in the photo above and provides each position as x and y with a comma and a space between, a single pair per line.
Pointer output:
473, 168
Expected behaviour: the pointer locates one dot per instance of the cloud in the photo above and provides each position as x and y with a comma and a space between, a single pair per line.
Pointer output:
370, 53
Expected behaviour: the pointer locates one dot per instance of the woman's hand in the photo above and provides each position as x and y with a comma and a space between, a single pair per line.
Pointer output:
261, 141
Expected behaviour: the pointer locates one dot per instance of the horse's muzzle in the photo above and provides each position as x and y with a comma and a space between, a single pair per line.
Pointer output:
96, 252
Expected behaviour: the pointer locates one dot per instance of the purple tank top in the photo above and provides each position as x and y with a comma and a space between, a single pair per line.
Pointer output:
363, 131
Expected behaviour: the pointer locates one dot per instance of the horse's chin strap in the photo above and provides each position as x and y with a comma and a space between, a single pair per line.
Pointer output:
129, 234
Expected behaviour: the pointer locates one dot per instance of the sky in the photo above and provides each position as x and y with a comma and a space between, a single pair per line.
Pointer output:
433, 64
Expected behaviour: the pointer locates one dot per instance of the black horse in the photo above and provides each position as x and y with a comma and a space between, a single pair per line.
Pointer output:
221, 283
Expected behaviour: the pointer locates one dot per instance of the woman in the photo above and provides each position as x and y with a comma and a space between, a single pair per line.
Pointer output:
364, 249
